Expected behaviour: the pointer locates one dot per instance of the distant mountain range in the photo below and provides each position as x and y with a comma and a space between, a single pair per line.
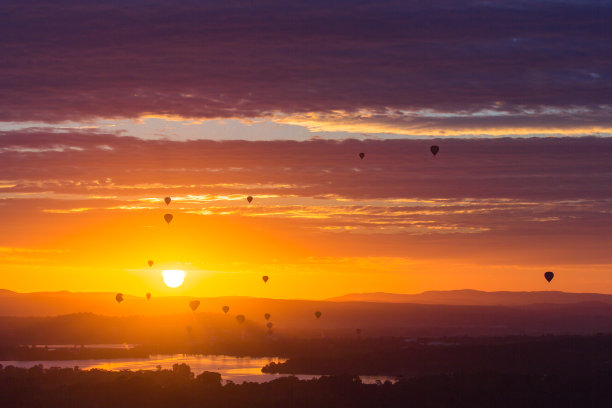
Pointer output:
429, 313
476, 297
64, 302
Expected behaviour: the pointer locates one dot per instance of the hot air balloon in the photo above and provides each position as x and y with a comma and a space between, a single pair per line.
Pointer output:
119, 297
434, 149
549, 276
358, 331
269, 325
194, 304
168, 218
148, 296
249, 199
225, 309
318, 314
265, 278
267, 316
150, 263
361, 155
167, 200
240, 319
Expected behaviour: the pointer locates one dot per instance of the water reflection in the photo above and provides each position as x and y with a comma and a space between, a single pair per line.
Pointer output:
235, 369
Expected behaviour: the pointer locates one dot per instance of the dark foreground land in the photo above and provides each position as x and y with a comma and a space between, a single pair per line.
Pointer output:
542, 355
376, 356
38, 387
518, 371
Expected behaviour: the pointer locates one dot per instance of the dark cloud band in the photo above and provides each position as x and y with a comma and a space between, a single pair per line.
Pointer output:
533, 169
81, 60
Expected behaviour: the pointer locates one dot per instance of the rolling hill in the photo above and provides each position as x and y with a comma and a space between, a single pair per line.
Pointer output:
475, 297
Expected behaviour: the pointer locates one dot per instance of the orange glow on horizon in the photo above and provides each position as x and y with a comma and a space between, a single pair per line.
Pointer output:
227, 255
323, 222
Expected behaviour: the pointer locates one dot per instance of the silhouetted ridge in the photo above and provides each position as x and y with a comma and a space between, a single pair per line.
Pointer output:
475, 297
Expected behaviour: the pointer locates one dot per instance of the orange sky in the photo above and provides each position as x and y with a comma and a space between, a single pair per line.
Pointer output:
108, 107
323, 222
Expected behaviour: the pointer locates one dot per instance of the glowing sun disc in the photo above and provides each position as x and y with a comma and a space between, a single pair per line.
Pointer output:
173, 278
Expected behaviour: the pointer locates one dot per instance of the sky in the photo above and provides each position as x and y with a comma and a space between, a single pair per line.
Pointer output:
107, 108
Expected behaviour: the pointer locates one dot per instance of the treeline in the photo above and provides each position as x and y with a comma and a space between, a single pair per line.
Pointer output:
38, 387
43, 353
252, 347
361, 356
556, 355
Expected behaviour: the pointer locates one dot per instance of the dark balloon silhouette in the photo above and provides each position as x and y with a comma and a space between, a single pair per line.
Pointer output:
167, 200
318, 314
225, 309
265, 278
119, 297
194, 304
358, 331
150, 263
434, 149
361, 155
240, 319
269, 325
168, 218
148, 296
267, 316
549, 276
249, 199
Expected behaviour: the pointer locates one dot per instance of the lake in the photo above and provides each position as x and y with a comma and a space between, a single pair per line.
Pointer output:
236, 369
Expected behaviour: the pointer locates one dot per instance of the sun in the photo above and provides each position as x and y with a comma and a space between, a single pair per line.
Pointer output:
173, 278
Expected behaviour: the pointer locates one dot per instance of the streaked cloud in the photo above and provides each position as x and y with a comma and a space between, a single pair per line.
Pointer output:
537, 168
477, 186
408, 68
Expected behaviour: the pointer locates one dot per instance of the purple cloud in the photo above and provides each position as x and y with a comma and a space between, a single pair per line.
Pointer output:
533, 200
527, 64
532, 169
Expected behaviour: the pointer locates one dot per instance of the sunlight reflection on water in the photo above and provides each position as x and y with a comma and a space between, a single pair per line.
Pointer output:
236, 369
